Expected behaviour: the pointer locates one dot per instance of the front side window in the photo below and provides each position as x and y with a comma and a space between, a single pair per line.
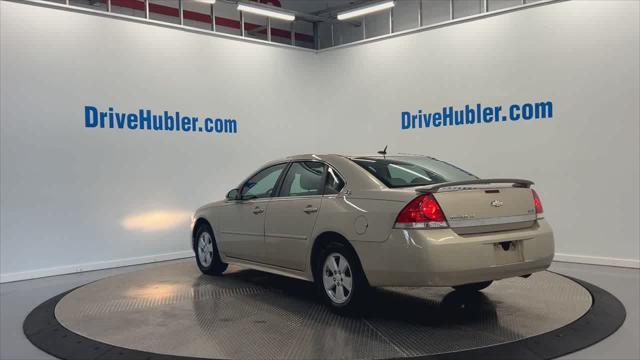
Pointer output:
261, 185
304, 178
405, 171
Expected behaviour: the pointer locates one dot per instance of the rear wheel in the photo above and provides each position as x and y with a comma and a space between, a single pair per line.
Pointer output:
473, 286
207, 256
340, 279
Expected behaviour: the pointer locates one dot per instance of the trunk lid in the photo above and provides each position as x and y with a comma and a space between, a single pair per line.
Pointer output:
484, 209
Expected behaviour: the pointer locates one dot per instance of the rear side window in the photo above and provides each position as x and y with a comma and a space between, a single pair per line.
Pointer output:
407, 171
304, 178
334, 182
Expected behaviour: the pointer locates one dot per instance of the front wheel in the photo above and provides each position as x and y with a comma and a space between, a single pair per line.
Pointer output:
473, 286
340, 279
207, 255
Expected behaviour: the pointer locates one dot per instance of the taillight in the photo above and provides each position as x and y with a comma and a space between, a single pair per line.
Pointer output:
422, 212
537, 204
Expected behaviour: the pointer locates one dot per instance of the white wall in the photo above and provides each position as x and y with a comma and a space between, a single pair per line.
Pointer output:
67, 191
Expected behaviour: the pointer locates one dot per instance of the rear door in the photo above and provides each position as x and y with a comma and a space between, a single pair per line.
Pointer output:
292, 215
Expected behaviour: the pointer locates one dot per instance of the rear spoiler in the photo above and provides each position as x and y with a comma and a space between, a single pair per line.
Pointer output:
435, 187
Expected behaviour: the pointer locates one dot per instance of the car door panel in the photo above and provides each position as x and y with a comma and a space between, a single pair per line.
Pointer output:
289, 225
292, 215
243, 220
242, 233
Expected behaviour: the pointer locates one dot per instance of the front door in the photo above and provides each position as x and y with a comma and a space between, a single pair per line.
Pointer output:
291, 216
244, 219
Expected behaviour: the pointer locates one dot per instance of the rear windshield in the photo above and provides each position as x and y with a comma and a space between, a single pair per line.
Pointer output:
408, 171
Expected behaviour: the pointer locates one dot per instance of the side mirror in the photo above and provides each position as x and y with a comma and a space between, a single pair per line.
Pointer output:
233, 194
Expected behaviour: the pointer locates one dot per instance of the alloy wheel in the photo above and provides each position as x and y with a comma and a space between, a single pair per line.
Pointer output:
337, 278
205, 249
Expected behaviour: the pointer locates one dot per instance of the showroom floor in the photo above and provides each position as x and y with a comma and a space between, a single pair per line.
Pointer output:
17, 299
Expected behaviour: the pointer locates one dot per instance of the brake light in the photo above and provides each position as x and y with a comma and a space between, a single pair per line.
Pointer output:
422, 212
537, 204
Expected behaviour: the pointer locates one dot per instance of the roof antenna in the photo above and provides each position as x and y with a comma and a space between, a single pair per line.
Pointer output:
384, 151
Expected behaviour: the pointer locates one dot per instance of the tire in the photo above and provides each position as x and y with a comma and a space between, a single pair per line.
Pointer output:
340, 280
207, 255
473, 286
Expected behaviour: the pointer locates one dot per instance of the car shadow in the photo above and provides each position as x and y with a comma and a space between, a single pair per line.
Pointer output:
419, 306
253, 306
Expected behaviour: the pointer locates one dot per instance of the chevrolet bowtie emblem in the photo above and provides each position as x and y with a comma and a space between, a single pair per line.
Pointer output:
497, 203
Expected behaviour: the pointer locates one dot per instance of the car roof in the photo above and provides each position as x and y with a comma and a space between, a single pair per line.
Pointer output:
352, 156
356, 176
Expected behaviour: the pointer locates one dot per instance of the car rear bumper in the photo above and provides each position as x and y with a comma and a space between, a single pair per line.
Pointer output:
441, 257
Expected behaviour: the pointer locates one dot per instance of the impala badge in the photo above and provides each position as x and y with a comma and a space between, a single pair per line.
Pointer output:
497, 203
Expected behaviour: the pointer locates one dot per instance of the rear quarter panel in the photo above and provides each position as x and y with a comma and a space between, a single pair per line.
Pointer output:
365, 210
357, 219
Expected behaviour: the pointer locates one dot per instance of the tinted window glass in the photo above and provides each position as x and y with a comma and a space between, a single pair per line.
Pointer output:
261, 185
412, 171
334, 183
303, 179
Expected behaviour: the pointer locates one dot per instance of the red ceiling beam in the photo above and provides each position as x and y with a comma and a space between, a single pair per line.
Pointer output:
206, 18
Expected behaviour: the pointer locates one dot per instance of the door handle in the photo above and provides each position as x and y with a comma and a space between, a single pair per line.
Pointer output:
257, 210
310, 209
